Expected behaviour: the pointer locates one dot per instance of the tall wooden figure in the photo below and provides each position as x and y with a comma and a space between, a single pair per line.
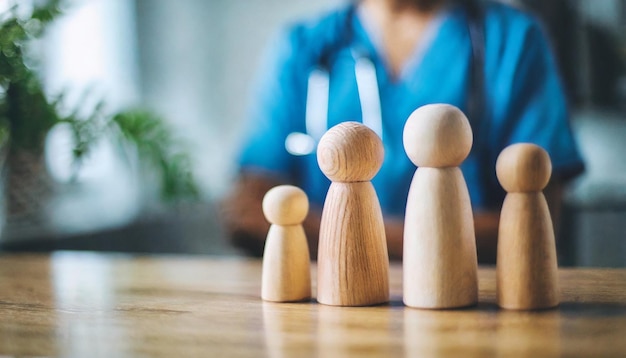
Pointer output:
352, 262
286, 262
439, 261
526, 266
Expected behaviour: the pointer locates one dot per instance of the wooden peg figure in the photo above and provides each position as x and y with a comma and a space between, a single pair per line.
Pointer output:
526, 265
286, 262
352, 262
439, 259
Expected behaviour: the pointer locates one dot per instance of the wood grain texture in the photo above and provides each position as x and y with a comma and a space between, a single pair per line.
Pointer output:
86, 305
439, 245
353, 265
350, 152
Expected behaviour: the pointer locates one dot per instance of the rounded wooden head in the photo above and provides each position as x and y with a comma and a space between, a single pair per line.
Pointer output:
350, 152
523, 167
285, 205
437, 136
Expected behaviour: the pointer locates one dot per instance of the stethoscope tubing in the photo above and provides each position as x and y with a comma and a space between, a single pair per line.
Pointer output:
317, 102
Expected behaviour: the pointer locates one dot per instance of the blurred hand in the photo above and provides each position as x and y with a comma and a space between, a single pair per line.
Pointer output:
242, 213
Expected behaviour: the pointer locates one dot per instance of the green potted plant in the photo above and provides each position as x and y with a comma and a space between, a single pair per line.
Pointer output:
27, 114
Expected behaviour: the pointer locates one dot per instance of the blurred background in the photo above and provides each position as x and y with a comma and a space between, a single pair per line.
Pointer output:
192, 62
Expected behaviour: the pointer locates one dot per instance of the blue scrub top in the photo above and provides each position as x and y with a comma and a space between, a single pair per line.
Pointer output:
523, 93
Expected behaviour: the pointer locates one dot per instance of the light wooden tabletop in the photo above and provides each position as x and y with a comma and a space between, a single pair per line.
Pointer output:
89, 305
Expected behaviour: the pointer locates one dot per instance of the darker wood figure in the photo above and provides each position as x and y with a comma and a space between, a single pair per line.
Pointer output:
527, 273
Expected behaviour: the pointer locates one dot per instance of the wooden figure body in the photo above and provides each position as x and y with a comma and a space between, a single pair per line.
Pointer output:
439, 257
527, 272
353, 266
286, 262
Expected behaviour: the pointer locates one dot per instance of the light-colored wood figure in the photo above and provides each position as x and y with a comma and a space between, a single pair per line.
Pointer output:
439, 260
526, 265
352, 261
286, 261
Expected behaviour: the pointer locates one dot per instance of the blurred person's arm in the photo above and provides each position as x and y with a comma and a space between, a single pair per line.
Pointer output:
529, 105
276, 102
242, 214
243, 219
245, 224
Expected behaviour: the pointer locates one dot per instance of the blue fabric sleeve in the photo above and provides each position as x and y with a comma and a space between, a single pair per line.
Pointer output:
529, 104
273, 106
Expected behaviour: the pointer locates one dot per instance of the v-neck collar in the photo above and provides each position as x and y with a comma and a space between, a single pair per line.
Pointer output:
371, 38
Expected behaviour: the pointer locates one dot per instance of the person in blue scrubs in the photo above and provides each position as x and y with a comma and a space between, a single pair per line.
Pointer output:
423, 51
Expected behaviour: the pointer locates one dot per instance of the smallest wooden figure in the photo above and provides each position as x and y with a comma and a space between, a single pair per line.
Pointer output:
286, 262
526, 266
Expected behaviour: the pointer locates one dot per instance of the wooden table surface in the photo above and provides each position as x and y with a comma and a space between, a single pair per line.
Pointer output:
90, 305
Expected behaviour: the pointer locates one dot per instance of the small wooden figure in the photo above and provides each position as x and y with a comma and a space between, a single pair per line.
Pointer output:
286, 261
526, 265
352, 262
439, 260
